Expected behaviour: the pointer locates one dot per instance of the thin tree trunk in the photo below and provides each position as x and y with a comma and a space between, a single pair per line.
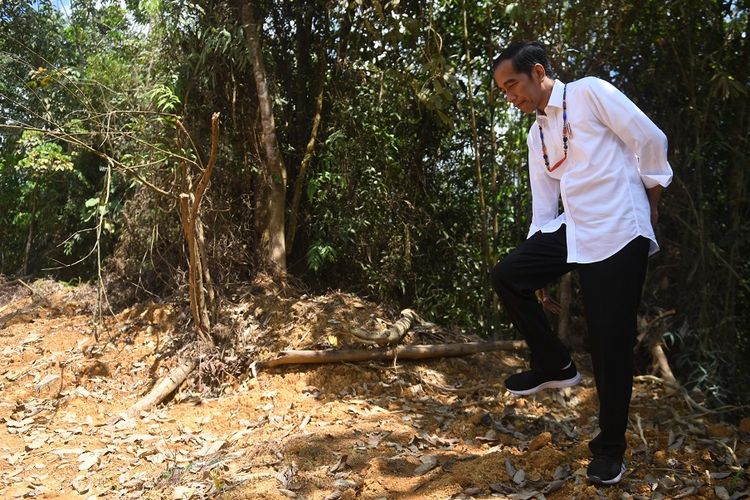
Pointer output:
480, 182
736, 200
30, 235
198, 308
300, 182
494, 217
208, 285
274, 163
304, 83
202, 296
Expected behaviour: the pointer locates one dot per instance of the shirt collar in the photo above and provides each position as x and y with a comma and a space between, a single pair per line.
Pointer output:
556, 97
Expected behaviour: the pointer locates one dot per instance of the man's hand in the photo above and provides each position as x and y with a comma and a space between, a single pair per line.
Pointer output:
548, 303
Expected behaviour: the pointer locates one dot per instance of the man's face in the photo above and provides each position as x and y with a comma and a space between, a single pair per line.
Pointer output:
522, 90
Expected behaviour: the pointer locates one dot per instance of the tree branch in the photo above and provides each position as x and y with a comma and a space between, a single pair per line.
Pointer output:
402, 352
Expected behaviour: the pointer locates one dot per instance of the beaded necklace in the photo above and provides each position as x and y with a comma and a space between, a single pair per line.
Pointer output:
565, 131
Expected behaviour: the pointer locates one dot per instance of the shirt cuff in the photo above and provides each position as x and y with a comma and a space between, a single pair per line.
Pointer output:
653, 180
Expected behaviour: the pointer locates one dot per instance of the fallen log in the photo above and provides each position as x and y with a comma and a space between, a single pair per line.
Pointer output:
401, 352
163, 388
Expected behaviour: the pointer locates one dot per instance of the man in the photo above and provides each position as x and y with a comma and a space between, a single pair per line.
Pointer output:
593, 148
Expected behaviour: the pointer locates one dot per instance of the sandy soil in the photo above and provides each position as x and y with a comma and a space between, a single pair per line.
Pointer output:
398, 429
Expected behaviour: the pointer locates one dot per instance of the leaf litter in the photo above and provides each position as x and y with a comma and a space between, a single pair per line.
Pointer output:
435, 429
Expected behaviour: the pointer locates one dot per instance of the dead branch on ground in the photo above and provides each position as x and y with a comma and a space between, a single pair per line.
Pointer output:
387, 354
162, 389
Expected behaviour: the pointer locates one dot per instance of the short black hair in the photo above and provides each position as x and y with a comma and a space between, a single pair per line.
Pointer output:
524, 55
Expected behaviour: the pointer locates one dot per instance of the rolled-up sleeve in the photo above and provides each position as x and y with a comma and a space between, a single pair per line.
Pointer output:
545, 191
635, 129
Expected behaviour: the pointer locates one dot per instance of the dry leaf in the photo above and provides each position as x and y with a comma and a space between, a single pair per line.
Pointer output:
88, 460
687, 492
553, 486
210, 448
79, 485
156, 458
722, 493
304, 422
37, 443
428, 463
48, 379
720, 475
340, 464
182, 493
19, 423
561, 472
67, 451
540, 441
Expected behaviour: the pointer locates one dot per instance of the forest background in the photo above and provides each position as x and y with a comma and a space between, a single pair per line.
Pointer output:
360, 145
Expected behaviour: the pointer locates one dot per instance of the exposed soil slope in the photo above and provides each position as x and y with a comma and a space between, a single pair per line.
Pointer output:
433, 429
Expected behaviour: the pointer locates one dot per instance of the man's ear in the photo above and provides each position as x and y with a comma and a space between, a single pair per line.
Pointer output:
539, 72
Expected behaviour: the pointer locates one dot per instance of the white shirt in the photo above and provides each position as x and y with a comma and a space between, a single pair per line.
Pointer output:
615, 152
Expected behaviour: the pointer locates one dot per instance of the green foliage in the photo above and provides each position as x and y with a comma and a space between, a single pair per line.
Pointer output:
75, 84
164, 97
42, 187
41, 156
319, 255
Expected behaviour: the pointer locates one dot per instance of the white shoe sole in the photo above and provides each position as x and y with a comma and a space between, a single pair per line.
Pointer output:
552, 384
614, 480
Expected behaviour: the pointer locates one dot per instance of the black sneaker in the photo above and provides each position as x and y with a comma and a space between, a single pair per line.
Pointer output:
605, 470
531, 382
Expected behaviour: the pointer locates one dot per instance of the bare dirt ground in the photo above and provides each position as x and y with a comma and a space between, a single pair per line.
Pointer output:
400, 429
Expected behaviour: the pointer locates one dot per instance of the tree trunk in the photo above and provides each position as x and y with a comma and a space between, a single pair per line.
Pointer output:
198, 307
30, 235
274, 163
300, 182
737, 199
202, 297
485, 243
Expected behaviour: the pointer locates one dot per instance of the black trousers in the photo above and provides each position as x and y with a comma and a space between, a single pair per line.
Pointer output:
611, 295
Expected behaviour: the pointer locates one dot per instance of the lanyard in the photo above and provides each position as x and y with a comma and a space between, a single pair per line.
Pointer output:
566, 128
